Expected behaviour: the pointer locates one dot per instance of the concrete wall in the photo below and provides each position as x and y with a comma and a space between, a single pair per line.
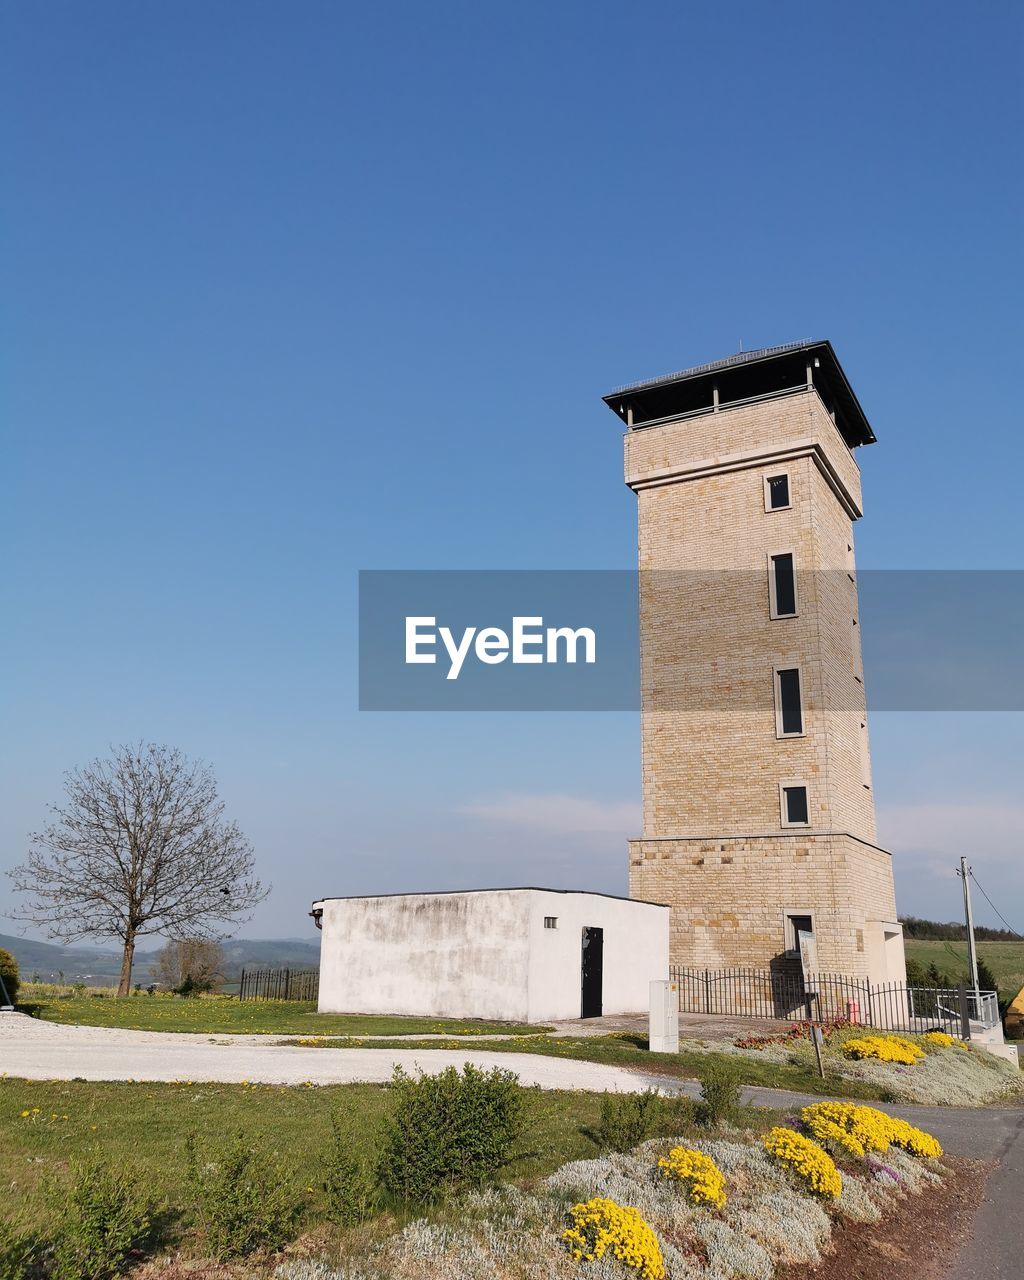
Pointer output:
636, 937
485, 954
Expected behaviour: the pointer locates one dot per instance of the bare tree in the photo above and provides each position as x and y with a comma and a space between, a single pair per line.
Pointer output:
139, 846
200, 959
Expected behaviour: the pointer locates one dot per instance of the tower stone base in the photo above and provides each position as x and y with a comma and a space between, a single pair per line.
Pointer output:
735, 901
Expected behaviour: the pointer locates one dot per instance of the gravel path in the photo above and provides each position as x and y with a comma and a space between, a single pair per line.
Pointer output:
37, 1050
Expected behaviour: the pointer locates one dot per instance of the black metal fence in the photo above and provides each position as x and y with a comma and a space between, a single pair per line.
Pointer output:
279, 984
760, 993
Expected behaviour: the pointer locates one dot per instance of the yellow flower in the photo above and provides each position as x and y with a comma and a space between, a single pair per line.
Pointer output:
814, 1165
601, 1226
940, 1040
914, 1140
25, 1113
885, 1049
856, 1129
705, 1182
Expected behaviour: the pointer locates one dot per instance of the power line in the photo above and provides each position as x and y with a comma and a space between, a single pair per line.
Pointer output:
994, 907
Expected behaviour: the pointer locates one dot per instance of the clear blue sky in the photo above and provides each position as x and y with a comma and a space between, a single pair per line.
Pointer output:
294, 290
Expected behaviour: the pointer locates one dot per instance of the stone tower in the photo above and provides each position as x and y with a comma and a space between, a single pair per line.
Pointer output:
758, 814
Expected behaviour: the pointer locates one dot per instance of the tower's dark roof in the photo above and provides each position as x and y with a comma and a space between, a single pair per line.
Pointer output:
747, 375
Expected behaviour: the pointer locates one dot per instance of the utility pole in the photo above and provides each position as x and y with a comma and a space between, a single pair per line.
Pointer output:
972, 952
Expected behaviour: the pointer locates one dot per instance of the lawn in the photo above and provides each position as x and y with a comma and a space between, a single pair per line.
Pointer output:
146, 1126
227, 1015
627, 1050
1005, 959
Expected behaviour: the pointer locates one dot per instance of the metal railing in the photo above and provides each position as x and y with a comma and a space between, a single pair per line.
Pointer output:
762, 993
279, 984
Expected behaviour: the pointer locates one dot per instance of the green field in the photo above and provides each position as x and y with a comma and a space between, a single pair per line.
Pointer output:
1005, 959
225, 1015
146, 1127
621, 1049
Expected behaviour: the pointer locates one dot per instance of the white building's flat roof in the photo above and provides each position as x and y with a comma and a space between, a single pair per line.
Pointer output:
517, 888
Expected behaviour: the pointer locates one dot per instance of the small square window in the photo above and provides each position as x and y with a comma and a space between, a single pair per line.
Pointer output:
551, 922
789, 711
795, 808
776, 492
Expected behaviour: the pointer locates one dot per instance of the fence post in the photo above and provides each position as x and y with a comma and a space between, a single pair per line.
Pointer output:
965, 1012
241, 986
707, 990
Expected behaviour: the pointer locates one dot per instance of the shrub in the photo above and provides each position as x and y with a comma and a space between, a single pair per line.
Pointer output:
102, 1221
916, 1141
9, 974
17, 1251
861, 1129
240, 1197
448, 1130
600, 1226
704, 1181
720, 1093
628, 1119
942, 1040
856, 1129
885, 1049
806, 1158
347, 1185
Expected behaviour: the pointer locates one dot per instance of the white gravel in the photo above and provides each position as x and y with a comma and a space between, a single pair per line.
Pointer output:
35, 1050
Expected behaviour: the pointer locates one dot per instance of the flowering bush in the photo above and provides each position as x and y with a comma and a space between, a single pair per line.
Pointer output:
914, 1140
861, 1129
798, 1031
601, 1226
815, 1166
705, 1182
856, 1129
885, 1048
940, 1040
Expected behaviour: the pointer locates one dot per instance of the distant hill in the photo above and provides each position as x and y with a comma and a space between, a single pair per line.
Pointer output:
50, 962
953, 931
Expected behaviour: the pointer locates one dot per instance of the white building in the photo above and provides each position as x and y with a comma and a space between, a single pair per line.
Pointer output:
511, 955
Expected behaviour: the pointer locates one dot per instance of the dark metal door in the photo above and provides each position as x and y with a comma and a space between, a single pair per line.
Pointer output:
592, 971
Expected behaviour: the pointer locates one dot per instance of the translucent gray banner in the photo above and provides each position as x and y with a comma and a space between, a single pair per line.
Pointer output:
569, 640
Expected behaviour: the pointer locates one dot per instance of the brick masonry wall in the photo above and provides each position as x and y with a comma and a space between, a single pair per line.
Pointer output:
714, 846
730, 896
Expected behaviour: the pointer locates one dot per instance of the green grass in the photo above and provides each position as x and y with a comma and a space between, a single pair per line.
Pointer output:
1005, 959
146, 1126
224, 1015
628, 1050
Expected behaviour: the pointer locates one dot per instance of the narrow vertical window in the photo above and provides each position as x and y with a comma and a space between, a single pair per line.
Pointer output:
789, 712
776, 492
782, 585
551, 922
865, 755
795, 808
